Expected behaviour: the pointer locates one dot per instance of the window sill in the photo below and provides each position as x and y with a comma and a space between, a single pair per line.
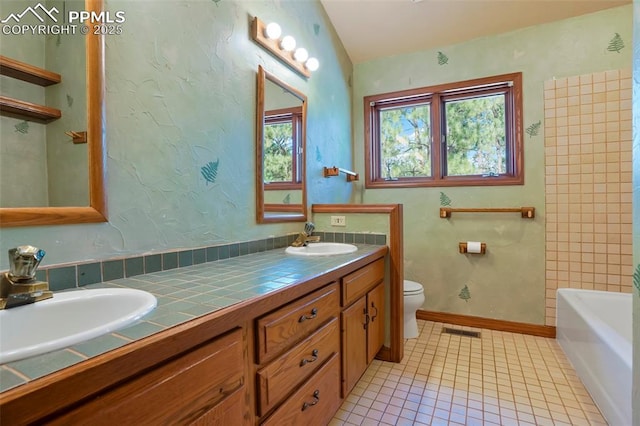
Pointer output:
445, 182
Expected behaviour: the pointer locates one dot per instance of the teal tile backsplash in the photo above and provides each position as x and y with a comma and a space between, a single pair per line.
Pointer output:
62, 278
71, 276
153, 263
89, 273
169, 260
113, 269
133, 266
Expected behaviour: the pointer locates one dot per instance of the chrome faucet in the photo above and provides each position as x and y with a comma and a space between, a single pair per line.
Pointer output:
19, 286
305, 237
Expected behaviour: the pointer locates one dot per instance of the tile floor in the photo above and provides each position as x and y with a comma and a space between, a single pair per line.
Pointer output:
498, 379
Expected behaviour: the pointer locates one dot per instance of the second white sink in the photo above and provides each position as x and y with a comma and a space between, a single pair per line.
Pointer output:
68, 318
322, 249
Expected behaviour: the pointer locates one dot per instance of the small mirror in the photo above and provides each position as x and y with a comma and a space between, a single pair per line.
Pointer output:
280, 151
74, 192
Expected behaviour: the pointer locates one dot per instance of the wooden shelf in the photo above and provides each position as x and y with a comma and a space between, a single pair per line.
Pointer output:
29, 73
27, 111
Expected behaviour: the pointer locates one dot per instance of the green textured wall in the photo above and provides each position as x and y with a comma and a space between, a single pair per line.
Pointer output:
508, 282
68, 173
23, 143
181, 93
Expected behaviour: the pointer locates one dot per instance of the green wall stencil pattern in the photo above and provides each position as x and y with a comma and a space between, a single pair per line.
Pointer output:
316, 29
22, 127
287, 199
442, 59
465, 293
210, 171
636, 277
534, 129
444, 200
69, 100
616, 44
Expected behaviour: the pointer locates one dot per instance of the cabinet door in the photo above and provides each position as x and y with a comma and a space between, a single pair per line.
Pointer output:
354, 344
176, 393
375, 328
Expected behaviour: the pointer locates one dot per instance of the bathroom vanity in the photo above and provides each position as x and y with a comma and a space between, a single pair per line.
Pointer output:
288, 356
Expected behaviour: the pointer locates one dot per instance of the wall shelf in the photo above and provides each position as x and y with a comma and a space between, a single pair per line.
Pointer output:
24, 110
29, 73
27, 111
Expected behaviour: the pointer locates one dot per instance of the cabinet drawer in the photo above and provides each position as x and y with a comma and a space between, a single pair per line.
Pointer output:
359, 282
284, 374
291, 323
178, 392
315, 402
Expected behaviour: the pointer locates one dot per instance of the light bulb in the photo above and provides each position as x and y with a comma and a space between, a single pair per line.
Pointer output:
288, 43
273, 31
312, 64
300, 54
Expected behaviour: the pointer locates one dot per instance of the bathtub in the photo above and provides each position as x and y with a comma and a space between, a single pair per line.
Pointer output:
594, 329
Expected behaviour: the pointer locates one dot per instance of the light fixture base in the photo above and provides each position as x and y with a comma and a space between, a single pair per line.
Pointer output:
258, 31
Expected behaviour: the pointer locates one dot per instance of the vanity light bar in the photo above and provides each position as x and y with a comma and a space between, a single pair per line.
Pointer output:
268, 36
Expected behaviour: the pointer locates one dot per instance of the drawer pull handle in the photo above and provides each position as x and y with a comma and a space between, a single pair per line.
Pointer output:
314, 357
374, 316
314, 313
316, 399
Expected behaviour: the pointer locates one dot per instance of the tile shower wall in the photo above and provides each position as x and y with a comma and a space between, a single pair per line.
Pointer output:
588, 184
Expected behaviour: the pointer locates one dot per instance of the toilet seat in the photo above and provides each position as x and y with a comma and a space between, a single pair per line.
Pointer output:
412, 287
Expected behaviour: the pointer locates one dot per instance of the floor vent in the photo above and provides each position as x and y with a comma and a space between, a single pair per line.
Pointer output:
460, 332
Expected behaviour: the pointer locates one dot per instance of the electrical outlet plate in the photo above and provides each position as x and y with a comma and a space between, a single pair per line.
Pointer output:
338, 221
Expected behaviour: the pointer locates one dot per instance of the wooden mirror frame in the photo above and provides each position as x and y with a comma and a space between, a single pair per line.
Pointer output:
282, 212
97, 209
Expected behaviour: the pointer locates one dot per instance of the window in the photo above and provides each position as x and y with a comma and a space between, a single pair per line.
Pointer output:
282, 154
459, 134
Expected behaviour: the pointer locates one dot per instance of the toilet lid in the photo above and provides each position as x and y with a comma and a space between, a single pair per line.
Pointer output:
412, 287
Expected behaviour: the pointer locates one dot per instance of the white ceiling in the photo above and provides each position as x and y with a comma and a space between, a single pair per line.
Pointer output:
370, 29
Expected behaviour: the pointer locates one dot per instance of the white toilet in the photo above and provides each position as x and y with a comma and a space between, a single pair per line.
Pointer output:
413, 300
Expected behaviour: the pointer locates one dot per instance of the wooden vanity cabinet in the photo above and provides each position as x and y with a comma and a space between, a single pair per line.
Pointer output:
205, 386
298, 356
362, 321
280, 360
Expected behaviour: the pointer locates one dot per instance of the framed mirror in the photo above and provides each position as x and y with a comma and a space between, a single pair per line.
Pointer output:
281, 122
89, 176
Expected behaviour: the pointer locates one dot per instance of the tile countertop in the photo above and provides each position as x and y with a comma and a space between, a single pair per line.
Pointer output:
184, 294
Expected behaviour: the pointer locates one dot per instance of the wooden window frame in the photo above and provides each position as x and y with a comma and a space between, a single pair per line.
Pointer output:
285, 115
436, 96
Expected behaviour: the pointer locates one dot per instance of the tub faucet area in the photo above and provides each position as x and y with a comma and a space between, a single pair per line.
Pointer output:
305, 237
19, 286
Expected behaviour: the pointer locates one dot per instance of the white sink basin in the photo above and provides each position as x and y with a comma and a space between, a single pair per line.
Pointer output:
322, 249
68, 318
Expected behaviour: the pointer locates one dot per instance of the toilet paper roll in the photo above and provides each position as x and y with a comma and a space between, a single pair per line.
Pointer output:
474, 247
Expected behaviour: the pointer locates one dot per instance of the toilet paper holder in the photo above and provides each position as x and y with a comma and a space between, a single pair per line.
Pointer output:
462, 248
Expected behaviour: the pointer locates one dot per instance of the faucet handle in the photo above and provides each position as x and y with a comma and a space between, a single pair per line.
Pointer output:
23, 262
309, 227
